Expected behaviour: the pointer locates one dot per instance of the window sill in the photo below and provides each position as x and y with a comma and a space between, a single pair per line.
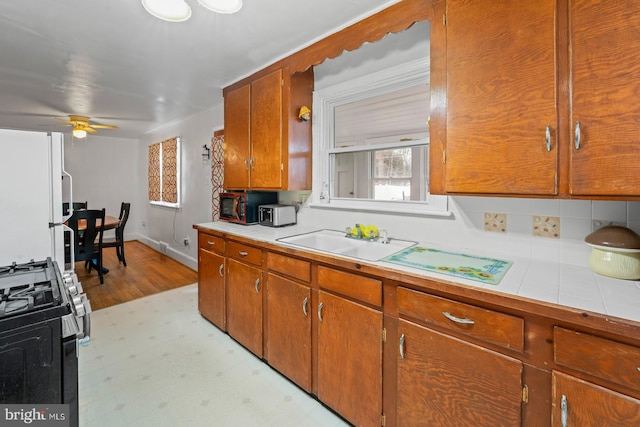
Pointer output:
417, 209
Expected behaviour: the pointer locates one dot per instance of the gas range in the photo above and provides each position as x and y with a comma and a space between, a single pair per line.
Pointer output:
44, 316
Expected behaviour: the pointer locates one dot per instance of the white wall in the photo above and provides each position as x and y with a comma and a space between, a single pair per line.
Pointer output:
159, 224
105, 174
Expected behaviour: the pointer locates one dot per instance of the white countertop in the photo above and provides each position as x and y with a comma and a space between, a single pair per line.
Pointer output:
551, 282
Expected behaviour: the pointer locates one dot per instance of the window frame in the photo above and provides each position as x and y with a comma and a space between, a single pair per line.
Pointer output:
325, 101
178, 203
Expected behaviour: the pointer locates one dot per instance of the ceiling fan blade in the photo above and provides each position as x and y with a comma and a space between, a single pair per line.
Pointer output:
89, 129
103, 126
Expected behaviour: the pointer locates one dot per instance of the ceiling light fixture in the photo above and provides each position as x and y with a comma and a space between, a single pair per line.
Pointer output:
222, 6
79, 133
168, 10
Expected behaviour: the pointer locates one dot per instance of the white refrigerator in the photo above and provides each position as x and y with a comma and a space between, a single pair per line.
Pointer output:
34, 187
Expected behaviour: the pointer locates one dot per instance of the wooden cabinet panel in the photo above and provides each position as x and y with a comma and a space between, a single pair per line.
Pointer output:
211, 287
289, 329
587, 404
350, 359
237, 137
605, 70
443, 381
266, 131
244, 253
501, 96
600, 357
362, 288
210, 243
244, 305
488, 325
292, 267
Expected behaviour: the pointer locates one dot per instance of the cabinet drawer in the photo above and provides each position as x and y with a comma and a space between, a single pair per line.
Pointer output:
488, 325
292, 267
244, 253
361, 288
210, 243
600, 357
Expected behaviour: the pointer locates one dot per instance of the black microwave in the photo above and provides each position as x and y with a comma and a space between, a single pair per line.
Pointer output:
242, 207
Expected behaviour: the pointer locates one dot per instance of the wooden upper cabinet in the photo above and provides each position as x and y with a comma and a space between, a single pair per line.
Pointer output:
266, 146
237, 122
266, 131
501, 97
605, 69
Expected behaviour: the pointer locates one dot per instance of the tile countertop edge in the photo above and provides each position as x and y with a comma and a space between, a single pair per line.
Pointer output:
546, 282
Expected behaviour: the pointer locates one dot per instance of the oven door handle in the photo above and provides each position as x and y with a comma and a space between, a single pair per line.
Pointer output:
86, 322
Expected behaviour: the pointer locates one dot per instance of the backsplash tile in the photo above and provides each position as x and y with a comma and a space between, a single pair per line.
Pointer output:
495, 222
546, 226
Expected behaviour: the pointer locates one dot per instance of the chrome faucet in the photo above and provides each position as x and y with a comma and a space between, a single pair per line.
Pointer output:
384, 237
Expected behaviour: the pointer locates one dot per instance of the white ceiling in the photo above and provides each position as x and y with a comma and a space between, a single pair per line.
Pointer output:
112, 61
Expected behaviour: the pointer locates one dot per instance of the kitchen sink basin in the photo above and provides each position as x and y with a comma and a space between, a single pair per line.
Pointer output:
336, 242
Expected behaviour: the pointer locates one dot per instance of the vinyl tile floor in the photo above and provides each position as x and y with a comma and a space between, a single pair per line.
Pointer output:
156, 362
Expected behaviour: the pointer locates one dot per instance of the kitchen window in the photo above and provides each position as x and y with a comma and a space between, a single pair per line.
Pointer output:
164, 173
371, 142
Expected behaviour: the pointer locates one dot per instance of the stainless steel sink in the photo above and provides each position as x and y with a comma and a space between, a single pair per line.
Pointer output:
336, 242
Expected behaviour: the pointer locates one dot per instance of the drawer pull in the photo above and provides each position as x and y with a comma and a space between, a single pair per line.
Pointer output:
577, 142
402, 346
458, 319
210, 243
547, 137
221, 270
304, 306
257, 286
320, 311
564, 415
243, 253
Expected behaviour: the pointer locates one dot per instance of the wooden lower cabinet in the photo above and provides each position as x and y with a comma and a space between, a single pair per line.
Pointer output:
244, 305
211, 287
350, 359
444, 381
289, 329
580, 403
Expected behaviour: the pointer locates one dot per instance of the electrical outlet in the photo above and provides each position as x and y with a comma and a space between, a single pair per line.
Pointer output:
186, 241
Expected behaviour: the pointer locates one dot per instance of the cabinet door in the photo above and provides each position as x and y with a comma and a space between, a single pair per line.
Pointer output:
350, 359
443, 381
289, 329
211, 292
244, 305
501, 91
237, 119
266, 131
579, 403
605, 62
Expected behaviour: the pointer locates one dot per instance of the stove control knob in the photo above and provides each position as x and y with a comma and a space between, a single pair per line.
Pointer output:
78, 304
71, 283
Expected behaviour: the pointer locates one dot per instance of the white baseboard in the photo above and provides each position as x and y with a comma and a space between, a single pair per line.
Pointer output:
170, 252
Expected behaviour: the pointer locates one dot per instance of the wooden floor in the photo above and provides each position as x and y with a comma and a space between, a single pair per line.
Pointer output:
147, 272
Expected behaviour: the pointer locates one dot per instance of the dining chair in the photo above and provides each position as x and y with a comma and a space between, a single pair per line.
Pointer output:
118, 243
75, 205
87, 244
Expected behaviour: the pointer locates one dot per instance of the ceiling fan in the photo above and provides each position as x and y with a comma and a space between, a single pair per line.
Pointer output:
82, 126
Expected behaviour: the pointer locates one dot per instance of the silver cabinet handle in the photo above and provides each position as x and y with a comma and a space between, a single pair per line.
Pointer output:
402, 346
320, 311
457, 319
257, 286
564, 415
251, 162
246, 164
210, 243
243, 253
547, 136
221, 270
304, 307
577, 135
